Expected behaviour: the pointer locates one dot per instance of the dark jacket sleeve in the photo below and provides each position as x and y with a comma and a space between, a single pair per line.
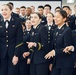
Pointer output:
68, 40
43, 42
19, 39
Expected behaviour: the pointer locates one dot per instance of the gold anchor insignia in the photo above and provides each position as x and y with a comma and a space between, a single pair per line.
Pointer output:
32, 33
56, 33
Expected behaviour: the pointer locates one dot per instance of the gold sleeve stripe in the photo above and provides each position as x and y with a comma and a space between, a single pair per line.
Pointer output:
39, 46
32, 50
19, 45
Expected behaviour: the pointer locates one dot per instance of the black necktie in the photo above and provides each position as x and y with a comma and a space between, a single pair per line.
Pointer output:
6, 23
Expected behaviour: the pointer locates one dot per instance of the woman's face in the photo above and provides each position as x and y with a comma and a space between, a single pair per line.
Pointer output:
5, 11
28, 24
49, 18
59, 20
35, 20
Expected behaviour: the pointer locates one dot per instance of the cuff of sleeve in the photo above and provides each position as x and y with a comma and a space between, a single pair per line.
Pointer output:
72, 49
39, 46
54, 52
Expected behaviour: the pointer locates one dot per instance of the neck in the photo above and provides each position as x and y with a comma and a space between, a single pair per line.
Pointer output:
28, 29
50, 22
22, 14
60, 25
35, 26
7, 18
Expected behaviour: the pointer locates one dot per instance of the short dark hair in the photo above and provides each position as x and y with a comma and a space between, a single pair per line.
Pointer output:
11, 3
22, 7
74, 5
66, 7
47, 5
41, 7
58, 8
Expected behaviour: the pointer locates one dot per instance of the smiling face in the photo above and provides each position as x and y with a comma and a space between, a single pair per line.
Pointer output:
35, 20
22, 11
49, 18
40, 10
6, 11
46, 10
28, 24
59, 20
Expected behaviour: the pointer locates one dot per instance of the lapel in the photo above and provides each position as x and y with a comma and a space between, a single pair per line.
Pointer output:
46, 26
59, 33
2, 24
11, 23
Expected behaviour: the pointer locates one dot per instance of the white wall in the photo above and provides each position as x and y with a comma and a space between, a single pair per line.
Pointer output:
34, 3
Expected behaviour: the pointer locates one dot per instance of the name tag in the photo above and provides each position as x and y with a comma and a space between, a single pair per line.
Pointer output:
13, 25
0, 26
60, 34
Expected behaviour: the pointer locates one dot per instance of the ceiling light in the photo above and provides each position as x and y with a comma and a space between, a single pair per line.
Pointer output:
70, 1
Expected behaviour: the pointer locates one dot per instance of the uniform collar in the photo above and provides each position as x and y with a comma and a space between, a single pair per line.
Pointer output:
28, 29
22, 15
50, 24
61, 26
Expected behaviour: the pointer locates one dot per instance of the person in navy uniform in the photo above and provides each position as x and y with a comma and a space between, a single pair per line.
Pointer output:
38, 46
74, 56
23, 14
11, 41
50, 29
41, 11
62, 60
13, 14
24, 64
71, 19
74, 11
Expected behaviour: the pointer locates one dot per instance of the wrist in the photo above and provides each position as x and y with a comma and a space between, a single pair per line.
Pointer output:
35, 44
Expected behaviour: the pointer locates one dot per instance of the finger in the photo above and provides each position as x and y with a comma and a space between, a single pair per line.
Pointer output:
49, 57
52, 56
14, 63
27, 42
24, 55
45, 57
66, 51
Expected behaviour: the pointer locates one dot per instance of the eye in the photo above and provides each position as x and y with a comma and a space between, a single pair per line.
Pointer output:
5, 9
1, 9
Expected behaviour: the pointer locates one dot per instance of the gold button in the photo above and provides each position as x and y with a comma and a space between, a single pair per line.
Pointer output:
7, 36
54, 39
48, 41
55, 44
6, 40
6, 45
6, 31
48, 38
48, 32
48, 35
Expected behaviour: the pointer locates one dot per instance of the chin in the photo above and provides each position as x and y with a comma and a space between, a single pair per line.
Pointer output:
4, 16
